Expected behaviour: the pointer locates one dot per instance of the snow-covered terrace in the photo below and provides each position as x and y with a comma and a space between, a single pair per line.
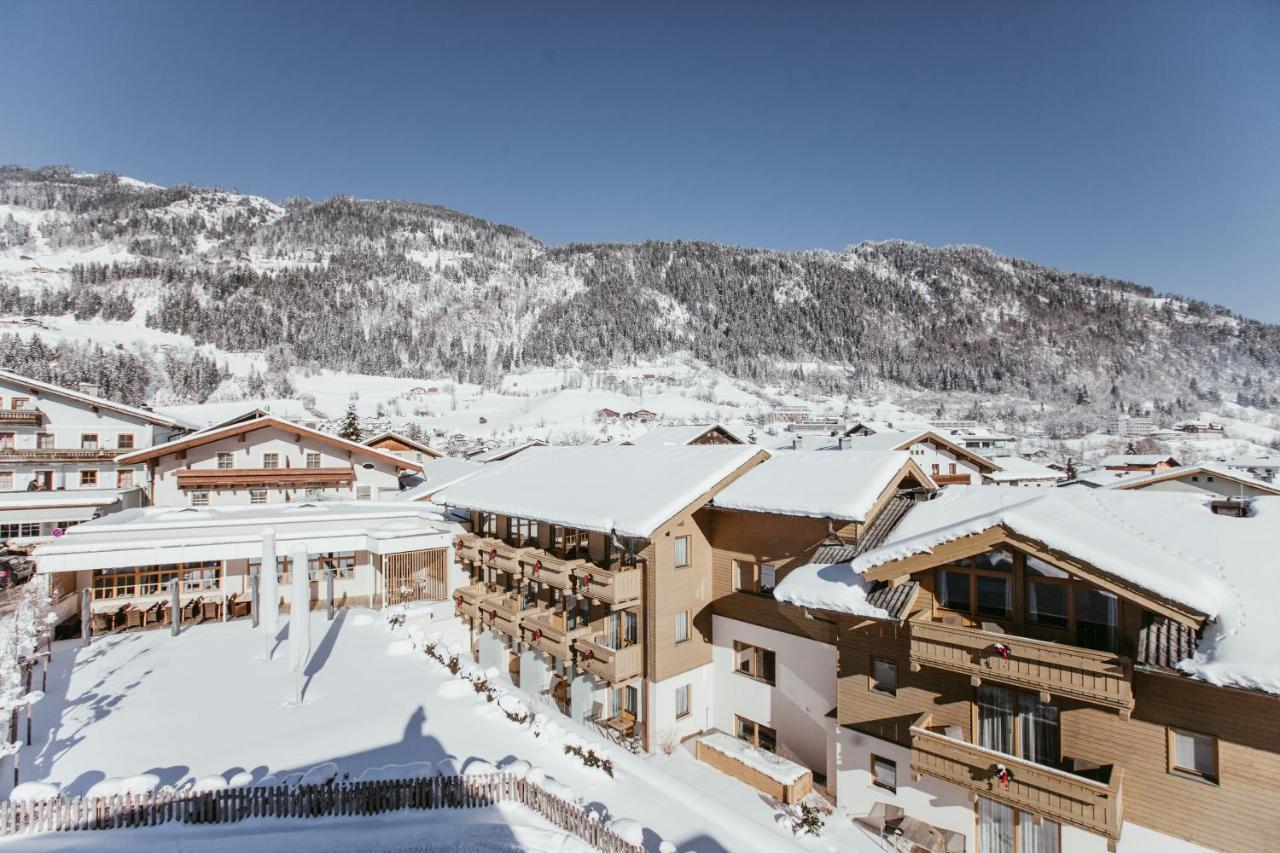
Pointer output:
1169, 543
158, 535
628, 490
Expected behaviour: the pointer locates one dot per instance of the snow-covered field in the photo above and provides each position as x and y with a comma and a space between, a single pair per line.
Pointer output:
207, 704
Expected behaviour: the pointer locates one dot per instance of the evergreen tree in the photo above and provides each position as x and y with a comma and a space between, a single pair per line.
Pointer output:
350, 428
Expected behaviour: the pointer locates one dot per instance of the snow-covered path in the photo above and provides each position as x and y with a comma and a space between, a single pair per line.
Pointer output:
205, 704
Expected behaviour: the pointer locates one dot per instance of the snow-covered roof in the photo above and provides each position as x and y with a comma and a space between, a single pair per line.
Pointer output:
499, 454
1209, 470
438, 475
89, 399
392, 435
833, 586
1116, 460
156, 535
630, 490
1014, 468
1168, 543
1102, 477
679, 435
843, 486
219, 433
60, 498
904, 440
1251, 462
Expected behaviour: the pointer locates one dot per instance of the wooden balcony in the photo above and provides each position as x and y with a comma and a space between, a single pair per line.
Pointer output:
613, 665
244, 478
615, 587
546, 568
950, 479
1100, 678
490, 552
546, 632
1093, 804
505, 613
21, 417
469, 600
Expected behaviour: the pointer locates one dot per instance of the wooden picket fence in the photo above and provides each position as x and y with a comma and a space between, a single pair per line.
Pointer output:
231, 805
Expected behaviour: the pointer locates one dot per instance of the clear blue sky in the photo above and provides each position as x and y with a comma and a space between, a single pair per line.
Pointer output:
1140, 140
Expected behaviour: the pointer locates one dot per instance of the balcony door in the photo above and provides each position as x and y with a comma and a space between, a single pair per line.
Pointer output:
1004, 829
1018, 724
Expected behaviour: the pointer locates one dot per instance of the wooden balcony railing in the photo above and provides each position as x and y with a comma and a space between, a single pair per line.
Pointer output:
950, 479
546, 632
1100, 678
1091, 804
546, 568
505, 612
233, 478
613, 665
612, 586
469, 599
489, 552
58, 454
21, 417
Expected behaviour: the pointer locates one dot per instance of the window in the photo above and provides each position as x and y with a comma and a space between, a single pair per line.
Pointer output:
682, 551
753, 577
1004, 829
124, 478
1018, 724
521, 532
44, 441
487, 524
313, 459
1097, 617
271, 460
884, 773
88, 441
884, 676
6, 479
756, 734
341, 563
953, 590
1193, 754
682, 627
981, 585
754, 661
205, 576
936, 469
364, 493
199, 498
6, 440
88, 478
682, 701
225, 462
257, 496
20, 403
13, 531
124, 441
568, 543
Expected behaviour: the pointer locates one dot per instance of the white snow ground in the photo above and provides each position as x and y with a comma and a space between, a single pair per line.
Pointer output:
206, 704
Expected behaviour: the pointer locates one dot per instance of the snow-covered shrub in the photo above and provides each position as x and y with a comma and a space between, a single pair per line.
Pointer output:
321, 774
395, 617
29, 792
803, 818
515, 708
591, 756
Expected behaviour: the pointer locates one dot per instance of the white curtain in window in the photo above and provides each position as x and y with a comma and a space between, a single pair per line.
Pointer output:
995, 827
995, 718
1044, 838
1038, 722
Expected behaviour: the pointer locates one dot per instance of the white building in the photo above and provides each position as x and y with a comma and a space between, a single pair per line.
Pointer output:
1127, 425
1023, 473
267, 460
54, 438
947, 462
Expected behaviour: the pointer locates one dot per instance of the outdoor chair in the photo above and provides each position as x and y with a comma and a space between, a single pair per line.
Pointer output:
191, 610
210, 609
117, 618
152, 615
878, 819
99, 623
132, 618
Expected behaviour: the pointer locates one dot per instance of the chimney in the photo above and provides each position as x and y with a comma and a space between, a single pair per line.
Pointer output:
846, 441
89, 388
797, 441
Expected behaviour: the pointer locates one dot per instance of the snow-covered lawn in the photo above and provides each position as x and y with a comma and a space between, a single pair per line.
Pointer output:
206, 704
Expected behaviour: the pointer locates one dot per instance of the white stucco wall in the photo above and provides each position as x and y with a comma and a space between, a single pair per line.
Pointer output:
664, 727
927, 455
796, 706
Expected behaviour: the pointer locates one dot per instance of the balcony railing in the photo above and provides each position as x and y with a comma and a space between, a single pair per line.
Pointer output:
490, 552
613, 586
58, 454
613, 665
950, 479
21, 417
544, 567
1100, 678
470, 598
505, 611
232, 478
546, 632
1093, 804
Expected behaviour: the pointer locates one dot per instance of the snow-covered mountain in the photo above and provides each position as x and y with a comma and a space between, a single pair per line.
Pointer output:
402, 290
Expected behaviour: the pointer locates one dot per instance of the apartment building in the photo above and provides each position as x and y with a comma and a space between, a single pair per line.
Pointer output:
592, 578
267, 460
1062, 670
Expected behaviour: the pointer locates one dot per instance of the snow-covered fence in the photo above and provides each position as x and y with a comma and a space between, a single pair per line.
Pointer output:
230, 805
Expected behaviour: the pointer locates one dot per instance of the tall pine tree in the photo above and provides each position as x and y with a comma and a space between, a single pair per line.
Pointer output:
350, 428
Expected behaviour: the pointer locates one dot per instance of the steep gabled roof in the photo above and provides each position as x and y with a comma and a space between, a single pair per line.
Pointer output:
840, 486
498, 454
904, 440
39, 387
628, 490
392, 435
680, 436
211, 435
